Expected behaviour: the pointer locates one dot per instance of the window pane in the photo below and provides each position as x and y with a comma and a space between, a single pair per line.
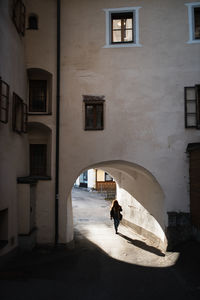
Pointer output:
197, 22
99, 116
117, 36
191, 107
128, 35
89, 116
190, 93
122, 27
117, 24
191, 120
38, 158
37, 95
129, 23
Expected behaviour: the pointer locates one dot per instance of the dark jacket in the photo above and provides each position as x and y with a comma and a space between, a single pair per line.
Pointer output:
115, 212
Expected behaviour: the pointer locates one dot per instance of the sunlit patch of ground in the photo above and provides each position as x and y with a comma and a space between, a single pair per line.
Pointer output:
91, 221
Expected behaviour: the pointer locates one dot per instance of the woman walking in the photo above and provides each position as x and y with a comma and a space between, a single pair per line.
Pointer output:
115, 214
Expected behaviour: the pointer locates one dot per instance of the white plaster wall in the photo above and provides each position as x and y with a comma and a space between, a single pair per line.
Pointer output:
100, 175
143, 89
24, 208
91, 178
13, 146
45, 215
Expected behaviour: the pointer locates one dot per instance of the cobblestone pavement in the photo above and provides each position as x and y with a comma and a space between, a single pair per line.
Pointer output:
101, 265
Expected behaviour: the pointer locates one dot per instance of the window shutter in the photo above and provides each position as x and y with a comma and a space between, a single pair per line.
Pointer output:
4, 101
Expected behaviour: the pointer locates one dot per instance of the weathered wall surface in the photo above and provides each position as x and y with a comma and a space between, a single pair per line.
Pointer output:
144, 98
40, 48
13, 146
143, 89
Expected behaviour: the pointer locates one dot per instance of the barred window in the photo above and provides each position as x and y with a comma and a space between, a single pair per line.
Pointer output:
37, 95
4, 101
19, 114
19, 14
38, 159
192, 107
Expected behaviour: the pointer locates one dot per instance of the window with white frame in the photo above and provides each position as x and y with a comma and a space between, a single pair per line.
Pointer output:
194, 22
122, 27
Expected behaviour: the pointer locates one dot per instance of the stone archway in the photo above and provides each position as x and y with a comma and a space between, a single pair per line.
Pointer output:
141, 196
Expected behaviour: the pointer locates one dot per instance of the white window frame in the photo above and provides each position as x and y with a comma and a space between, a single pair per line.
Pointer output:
191, 7
108, 12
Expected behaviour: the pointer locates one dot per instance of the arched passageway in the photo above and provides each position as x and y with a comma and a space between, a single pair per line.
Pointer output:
141, 196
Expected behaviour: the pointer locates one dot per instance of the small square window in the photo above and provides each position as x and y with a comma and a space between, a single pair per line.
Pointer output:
94, 116
194, 22
122, 27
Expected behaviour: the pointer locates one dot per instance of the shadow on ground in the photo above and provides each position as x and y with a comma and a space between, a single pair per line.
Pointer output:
142, 245
87, 273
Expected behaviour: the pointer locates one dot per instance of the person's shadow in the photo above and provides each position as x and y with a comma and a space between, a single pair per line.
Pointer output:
142, 245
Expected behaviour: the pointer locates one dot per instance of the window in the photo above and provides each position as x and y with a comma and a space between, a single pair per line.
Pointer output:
37, 95
38, 159
19, 114
4, 101
33, 22
108, 177
93, 112
19, 12
192, 107
194, 22
40, 91
122, 27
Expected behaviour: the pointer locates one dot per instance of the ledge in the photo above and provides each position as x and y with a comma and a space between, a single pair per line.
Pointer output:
32, 179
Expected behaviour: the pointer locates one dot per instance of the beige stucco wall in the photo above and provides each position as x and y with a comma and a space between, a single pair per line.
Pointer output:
13, 146
143, 89
144, 98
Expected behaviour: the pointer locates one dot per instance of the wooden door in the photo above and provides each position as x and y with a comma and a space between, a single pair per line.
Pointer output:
195, 186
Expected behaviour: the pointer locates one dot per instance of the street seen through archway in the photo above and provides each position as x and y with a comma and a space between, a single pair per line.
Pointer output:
92, 221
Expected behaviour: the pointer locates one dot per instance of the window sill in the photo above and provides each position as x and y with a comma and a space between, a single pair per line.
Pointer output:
193, 42
39, 114
122, 45
40, 177
88, 129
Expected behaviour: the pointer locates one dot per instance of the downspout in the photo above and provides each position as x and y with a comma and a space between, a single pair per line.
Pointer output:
57, 123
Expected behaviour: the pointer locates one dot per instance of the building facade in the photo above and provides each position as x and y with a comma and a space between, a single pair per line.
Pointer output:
104, 84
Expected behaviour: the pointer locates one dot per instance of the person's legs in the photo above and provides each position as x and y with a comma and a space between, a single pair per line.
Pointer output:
116, 224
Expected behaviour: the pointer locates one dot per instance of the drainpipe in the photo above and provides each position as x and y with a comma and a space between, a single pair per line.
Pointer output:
57, 124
